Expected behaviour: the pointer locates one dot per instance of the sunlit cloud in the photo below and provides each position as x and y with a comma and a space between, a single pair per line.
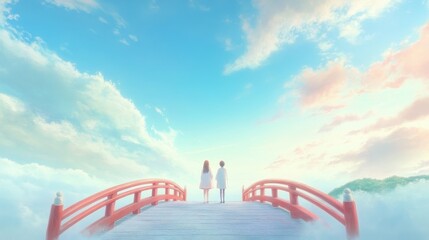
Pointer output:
417, 110
375, 135
342, 119
407, 64
87, 114
280, 24
401, 151
325, 87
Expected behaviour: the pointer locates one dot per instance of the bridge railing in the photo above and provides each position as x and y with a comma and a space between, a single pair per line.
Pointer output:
268, 191
62, 219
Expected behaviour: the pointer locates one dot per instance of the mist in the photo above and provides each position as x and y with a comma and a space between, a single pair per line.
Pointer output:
399, 214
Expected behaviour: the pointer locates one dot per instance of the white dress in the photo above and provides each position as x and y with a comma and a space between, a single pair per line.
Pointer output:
206, 180
221, 178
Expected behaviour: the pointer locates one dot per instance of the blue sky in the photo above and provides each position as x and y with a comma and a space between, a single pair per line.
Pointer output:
320, 92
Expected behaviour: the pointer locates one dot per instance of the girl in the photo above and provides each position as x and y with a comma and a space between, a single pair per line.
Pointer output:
221, 178
206, 180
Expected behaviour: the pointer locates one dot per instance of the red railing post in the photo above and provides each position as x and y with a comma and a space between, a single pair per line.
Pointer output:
350, 215
137, 197
106, 199
262, 192
274, 195
167, 191
293, 198
345, 212
175, 194
110, 209
184, 194
55, 217
154, 192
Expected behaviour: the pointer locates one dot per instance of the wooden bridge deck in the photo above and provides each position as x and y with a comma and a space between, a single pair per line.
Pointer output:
188, 220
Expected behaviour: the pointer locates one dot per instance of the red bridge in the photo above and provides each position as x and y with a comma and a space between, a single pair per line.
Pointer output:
178, 219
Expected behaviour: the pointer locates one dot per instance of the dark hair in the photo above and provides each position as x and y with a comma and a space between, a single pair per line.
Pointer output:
206, 166
222, 163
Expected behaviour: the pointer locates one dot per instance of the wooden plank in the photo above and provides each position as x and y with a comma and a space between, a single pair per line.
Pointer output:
190, 220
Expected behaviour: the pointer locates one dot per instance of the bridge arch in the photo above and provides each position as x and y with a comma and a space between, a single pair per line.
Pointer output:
62, 219
344, 212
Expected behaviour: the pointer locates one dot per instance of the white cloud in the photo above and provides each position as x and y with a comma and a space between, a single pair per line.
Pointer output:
64, 126
158, 110
350, 30
228, 44
280, 23
30, 192
92, 7
399, 214
61, 144
103, 20
119, 20
196, 4
63, 117
325, 46
154, 5
77, 5
133, 37
124, 41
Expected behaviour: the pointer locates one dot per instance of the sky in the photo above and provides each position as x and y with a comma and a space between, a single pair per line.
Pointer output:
321, 92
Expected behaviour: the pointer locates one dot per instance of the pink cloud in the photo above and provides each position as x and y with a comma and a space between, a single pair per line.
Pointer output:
305, 155
330, 108
280, 162
400, 151
417, 110
339, 120
277, 116
321, 86
398, 67
326, 88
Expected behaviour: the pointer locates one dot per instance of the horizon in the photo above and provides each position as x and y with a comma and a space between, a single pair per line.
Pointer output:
321, 93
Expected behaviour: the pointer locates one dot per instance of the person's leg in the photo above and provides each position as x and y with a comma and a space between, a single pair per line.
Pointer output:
223, 195
208, 195
205, 195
